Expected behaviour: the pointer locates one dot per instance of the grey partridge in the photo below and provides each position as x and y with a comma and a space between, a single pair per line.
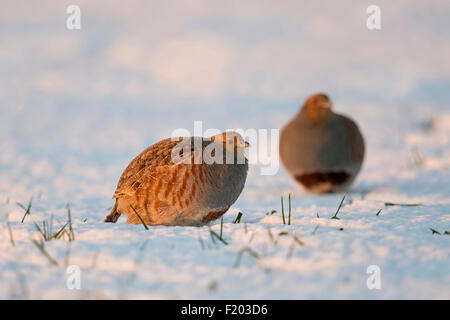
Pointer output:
322, 150
182, 181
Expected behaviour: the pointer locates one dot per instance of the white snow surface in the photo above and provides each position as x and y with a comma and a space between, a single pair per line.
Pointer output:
77, 106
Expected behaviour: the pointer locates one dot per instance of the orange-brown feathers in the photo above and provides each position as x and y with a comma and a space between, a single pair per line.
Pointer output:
318, 108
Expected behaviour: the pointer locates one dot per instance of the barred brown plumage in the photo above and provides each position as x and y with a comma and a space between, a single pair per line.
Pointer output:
168, 191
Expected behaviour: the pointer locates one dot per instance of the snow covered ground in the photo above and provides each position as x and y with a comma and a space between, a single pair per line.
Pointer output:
77, 106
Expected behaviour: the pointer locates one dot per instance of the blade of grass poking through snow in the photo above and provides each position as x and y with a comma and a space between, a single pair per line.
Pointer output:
11, 236
145, 226
45, 228
378, 213
282, 210
27, 210
339, 208
220, 239
281, 234
390, 204
39, 230
21, 205
216, 236
40, 245
298, 241
289, 218
212, 237
238, 218
71, 234
434, 231
59, 233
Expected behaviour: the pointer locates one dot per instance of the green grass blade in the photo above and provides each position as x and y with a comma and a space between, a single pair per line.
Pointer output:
289, 219
40, 246
434, 231
145, 226
58, 234
238, 218
215, 235
39, 229
69, 217
27, 210
339, 208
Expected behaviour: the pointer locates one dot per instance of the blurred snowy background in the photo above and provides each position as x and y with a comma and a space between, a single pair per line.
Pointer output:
77, 105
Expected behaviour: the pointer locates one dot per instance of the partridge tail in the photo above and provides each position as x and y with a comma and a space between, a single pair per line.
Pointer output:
113, 215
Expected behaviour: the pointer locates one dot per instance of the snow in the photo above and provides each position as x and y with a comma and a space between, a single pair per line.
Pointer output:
77, 106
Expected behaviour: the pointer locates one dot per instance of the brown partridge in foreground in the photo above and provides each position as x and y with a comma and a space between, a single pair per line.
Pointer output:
182, 182
321, 149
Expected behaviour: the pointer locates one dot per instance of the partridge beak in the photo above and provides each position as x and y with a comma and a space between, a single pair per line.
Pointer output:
328, 105
246, 144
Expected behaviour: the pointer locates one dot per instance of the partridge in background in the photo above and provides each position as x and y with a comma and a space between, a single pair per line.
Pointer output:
321, 149
183, 181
